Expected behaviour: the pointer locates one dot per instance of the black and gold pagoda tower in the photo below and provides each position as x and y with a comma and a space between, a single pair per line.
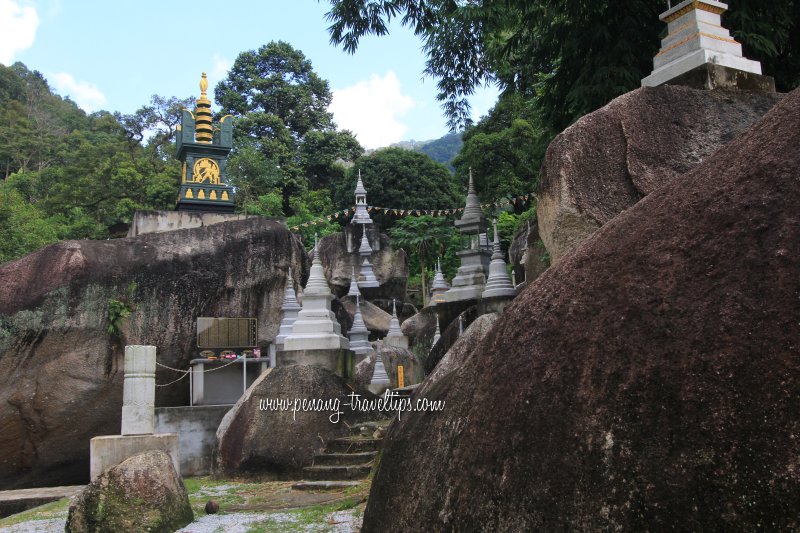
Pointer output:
203, 150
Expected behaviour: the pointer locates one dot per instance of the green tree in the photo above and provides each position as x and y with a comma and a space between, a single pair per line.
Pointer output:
281, 107
23, 227
402, 179
425, 238
504, 150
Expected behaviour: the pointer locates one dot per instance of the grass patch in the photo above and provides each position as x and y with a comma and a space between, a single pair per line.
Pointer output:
48, 511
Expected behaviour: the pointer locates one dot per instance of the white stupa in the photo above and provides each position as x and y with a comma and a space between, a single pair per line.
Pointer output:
353, 285
439, 286
366, 278
361, 215
289, 310
696, 39
316, 327
436, 334
359, 334
499, 282
395, 336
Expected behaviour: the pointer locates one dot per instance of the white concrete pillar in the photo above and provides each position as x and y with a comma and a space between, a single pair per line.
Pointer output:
139, 390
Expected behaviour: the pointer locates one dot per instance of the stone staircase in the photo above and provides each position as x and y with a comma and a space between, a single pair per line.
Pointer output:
346, 461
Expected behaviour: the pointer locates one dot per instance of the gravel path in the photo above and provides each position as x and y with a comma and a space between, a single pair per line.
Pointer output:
338, 522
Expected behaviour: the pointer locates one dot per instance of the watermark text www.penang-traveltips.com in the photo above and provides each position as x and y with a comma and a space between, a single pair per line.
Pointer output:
389, 402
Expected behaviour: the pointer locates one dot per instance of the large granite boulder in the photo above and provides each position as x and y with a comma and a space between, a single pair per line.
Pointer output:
258, 436
527, 255
142, 493
649, 381
460, 351
339, 254
63, 330
612, 158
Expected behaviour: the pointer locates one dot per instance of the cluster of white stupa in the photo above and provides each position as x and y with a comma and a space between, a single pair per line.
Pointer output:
310, 333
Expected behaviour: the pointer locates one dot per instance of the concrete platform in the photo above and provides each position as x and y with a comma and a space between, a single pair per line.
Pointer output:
16, 501
111, 450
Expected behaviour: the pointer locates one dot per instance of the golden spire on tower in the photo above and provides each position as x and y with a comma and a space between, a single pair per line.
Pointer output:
204, 132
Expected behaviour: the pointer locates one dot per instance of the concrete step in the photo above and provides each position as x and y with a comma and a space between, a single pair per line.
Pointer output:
325, 485
16, 501
354, 445
336, 472
357, 458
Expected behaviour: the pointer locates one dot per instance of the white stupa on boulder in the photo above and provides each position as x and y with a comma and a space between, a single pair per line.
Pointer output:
395, 336
359, 334
698, 51
289, 311
366, 278
316, 327
439, 286
499, 282
353, 285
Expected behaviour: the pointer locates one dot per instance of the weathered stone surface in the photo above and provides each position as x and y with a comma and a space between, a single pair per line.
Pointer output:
460, 351
393, 356
390, 266
282, 441
143, 493
61, 382
648, 381
376, 319
527, 255
610, 159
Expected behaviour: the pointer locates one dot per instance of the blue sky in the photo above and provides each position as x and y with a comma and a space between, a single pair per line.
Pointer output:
114, 55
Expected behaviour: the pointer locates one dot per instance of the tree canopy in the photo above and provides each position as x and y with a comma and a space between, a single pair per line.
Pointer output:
571, 56
284, 135
399, 178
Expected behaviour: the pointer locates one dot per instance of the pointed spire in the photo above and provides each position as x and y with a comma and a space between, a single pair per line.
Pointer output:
365, 248
359, 334
460, 325
472, 209
394, 323
354, 285
499, 282
360, 185
436, 334
361, 215
289, 296
317, 283
289, 311
497, 251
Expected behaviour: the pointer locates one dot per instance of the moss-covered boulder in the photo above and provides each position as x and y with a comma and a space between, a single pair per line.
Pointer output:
142, 493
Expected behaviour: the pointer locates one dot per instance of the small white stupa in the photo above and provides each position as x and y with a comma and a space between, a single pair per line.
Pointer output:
359, 335
439, 286
289, 310
380, 379
366, 278
353, 285
499, 282
316, 327
361, 215
696, 41
395, 336
436, 334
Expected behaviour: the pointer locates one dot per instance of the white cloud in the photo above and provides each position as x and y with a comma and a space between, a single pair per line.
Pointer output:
372, 109
219, 68
17, 29
87, 96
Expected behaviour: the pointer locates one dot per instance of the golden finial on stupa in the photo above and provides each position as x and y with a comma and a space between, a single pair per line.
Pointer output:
203, 85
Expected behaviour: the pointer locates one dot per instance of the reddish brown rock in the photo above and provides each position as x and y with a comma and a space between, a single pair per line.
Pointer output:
610, 159
649, 381
61, 382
